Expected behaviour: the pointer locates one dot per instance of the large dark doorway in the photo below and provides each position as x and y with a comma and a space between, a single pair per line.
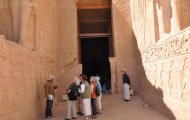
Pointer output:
94, 57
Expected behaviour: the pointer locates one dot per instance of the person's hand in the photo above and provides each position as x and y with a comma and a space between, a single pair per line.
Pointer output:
68, 91
55, 87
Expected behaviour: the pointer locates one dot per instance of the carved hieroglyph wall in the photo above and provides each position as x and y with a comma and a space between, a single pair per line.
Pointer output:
67, 62
25, 68
123, 43
163, 65
23, 75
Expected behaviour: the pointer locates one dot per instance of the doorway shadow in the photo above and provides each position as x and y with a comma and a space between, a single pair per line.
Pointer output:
94, 57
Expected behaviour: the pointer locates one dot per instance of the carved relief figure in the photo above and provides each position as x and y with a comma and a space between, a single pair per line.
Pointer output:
172, 80
164, 14
148, 24
178, 80
165, 81
20, 11
171, 75
151, 79
185, 81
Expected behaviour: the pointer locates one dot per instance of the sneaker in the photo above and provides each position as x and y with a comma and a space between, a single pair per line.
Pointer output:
74, 118
98, 113
81, 114
127, 100
78, 112
48, 117
67, 119
86, 118
94, 116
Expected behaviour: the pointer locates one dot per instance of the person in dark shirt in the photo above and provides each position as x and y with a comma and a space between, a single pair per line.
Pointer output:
79, 100
126, 84
72, 95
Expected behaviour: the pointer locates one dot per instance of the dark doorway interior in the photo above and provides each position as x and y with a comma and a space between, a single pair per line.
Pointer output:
94, 57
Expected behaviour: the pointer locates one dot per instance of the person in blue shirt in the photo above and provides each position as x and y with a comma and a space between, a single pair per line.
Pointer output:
98, 99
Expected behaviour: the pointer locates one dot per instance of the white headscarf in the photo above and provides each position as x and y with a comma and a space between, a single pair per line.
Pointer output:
77, 81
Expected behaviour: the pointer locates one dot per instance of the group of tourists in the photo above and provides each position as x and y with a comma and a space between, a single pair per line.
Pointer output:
87, 94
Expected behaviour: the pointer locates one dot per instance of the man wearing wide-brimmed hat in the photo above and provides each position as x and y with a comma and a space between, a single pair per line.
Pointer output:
49, 94
126, 84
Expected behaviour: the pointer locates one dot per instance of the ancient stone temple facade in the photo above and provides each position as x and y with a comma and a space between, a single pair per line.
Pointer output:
162, 31
149, 38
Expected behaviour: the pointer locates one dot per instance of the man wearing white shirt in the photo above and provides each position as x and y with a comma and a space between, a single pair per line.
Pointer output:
85, 91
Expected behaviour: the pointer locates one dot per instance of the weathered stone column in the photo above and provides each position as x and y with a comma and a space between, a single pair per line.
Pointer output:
112, 61
163, 13
67, 62
175, 22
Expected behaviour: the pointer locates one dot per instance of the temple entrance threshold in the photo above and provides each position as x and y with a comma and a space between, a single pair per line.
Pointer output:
94, 58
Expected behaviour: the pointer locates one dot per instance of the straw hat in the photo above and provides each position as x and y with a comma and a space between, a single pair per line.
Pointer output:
93, 79
124, 70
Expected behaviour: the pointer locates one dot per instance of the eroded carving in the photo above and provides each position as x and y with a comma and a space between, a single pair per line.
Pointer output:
178, 45
20, 12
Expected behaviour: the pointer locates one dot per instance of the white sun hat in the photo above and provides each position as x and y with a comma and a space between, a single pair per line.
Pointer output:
97, 78
50, 77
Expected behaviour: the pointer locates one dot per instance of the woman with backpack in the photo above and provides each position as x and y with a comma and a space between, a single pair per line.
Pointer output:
93, 96
72, 94
98, 98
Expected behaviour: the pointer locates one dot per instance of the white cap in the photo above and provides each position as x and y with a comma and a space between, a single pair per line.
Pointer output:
77, 81
97, 78
50, 77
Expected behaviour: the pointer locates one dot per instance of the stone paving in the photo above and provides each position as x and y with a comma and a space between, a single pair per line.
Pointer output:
114, 108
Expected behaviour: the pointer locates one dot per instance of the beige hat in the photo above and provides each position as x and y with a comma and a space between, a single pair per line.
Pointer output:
50, 77
124, 70
93, 79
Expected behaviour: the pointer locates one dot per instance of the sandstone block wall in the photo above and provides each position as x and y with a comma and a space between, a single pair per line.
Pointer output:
124, 43
23, 75
163, 54
164, 75
25, 67
67, 55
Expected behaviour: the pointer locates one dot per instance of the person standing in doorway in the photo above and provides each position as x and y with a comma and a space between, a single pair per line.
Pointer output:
49, 94
85, 91
79, 101
126, 84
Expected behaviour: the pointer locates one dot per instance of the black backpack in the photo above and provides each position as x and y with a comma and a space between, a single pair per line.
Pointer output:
97, 91
128, 80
